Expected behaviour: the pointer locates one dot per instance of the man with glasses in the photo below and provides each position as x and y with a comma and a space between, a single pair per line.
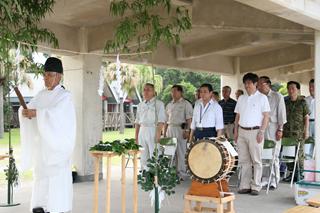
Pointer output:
277, 118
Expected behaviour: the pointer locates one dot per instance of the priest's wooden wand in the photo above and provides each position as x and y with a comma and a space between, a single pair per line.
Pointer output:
21, 100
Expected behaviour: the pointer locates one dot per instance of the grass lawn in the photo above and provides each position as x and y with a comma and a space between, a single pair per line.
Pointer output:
15, 138
115, 135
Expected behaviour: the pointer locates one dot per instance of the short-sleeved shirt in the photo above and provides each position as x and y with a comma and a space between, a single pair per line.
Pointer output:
296, 112
228, 107
178, 112
311, 105
277, 113
146, 112
207, 116
251, 109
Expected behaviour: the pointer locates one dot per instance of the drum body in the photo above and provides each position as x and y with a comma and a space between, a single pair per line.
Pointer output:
209, 161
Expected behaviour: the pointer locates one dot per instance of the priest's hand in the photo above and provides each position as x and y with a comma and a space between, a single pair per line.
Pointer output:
29, 113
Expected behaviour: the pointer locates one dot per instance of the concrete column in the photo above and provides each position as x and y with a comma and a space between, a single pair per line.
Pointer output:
233, 81
317, 98
82, 79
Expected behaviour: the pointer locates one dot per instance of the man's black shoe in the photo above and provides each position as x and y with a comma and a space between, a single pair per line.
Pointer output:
244, 191
272, 188
38, 210
288, 179
254, 192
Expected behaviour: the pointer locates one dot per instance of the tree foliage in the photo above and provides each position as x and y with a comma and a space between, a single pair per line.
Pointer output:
145, 23
147, 75
188, 92
187, 79
281, 88
173, 76
19, 22
129, 76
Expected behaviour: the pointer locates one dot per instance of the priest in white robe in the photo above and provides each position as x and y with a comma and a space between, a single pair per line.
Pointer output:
48, 129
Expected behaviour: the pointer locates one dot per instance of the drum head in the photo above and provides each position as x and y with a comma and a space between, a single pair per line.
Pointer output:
205, 160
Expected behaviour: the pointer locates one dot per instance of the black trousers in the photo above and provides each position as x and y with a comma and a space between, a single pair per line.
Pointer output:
201, 133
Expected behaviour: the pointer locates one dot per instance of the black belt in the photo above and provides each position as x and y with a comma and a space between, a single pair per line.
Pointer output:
250, 128
312, 120
205, 128
228, 123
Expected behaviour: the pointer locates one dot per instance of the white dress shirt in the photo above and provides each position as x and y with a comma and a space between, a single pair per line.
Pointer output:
207, 116
251, 109
146, 112
311, 105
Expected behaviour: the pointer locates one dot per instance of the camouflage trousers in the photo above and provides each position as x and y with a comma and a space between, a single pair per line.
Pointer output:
301, 156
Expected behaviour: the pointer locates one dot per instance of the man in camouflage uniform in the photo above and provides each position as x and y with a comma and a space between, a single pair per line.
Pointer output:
297, 125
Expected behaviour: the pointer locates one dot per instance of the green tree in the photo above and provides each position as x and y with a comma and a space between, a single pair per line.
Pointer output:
147, 75
20, 22
144, 24
129, 76
188, 88
174, 76
281, 88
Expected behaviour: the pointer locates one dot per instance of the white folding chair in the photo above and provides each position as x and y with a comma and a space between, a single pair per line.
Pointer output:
290, 154
268, 158
168, 148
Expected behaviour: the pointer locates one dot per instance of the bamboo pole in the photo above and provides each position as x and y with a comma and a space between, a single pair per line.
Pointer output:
96, 184
135, 182
123, 184
108, 198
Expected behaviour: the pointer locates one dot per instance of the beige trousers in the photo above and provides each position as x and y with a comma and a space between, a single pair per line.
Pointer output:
250, 153
177, 132
228, 131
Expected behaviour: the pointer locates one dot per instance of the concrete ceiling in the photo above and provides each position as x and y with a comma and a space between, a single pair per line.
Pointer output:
222, 30
80, 13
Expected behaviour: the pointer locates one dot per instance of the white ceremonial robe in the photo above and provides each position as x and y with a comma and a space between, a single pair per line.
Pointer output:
47, 143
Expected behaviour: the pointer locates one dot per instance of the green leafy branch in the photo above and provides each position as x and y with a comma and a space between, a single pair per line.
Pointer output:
11, 172
166, 174
144, 23
117, 146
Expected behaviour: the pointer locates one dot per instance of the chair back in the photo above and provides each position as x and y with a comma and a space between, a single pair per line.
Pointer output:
309, 140
269, 144
168, 141
286, 141
288, 147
